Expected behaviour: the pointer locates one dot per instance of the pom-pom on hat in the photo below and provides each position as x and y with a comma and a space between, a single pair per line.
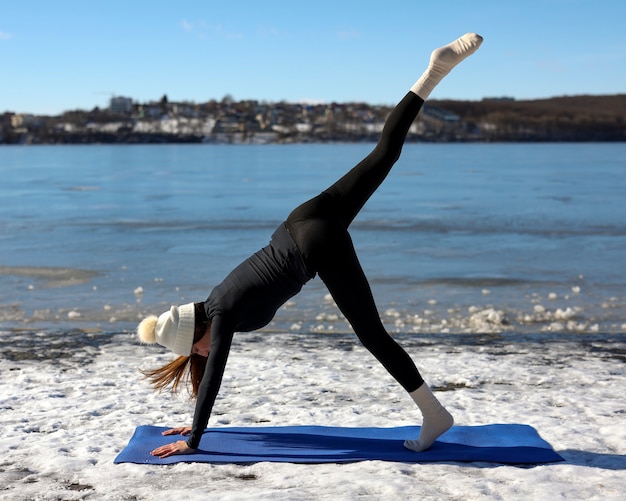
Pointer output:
172, 329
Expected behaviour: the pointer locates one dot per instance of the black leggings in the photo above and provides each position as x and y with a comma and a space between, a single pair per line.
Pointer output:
320, 229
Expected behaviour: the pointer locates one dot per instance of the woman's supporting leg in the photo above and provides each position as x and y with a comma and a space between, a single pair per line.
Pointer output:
342, 274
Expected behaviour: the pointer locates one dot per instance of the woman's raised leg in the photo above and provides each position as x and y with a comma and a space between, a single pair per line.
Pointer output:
344, 199
320, 229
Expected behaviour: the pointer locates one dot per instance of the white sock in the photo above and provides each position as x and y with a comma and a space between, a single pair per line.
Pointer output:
437, 420
442, 60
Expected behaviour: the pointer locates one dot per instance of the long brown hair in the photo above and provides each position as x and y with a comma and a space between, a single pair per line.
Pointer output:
188, 370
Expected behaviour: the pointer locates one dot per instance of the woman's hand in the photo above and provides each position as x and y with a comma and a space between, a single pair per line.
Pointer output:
172, 449
181, 430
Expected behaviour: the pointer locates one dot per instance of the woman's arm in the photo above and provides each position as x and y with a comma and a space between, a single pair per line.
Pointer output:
221, 339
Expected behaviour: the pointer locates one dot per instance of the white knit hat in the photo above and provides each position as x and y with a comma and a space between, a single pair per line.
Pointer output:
172, 329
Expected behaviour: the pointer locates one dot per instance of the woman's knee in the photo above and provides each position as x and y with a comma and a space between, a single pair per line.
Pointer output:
375, 339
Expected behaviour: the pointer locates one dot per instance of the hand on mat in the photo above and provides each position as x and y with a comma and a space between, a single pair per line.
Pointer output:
181, 430
172, 449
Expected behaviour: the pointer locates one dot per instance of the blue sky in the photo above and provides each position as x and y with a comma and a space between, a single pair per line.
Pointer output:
68, 54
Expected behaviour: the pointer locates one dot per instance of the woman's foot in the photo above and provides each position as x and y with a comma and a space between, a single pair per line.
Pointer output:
443, 59
432, 428
437, 420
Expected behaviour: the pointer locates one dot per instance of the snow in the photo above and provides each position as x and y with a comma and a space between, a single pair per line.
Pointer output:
70, 401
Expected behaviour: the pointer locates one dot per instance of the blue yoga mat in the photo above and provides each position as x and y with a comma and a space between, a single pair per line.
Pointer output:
499, 443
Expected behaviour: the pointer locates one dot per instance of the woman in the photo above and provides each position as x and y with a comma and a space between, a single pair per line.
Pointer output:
313, 239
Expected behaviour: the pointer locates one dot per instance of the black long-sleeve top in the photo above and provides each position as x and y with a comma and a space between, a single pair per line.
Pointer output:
246, 300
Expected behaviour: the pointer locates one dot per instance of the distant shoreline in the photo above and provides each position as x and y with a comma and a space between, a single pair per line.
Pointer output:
562, 119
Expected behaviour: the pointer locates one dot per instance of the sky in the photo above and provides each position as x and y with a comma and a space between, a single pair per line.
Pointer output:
63, 55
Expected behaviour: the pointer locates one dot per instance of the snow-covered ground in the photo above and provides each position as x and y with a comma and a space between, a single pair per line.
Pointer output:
70, 401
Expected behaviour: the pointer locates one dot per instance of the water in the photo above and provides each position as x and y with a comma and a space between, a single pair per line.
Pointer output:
460, 238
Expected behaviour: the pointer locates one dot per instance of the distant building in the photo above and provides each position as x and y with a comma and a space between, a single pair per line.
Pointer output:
440, 114
502, 99
121, 105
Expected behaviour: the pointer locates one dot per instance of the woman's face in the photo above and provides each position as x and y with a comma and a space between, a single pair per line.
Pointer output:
203, 346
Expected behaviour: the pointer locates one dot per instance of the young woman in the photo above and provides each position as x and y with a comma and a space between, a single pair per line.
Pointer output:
313, 239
